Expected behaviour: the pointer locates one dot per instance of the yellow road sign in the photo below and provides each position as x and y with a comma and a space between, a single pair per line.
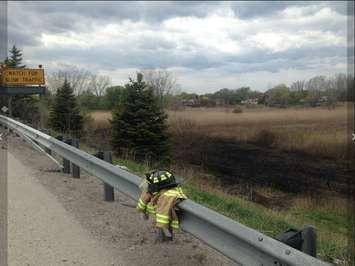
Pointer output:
22, 76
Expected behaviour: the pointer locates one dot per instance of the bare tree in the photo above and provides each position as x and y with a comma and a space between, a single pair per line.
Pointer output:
317, 83
341, 85
99, 84
298, 85
162, 81
78, 78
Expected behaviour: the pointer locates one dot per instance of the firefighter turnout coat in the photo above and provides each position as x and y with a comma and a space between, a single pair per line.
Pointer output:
162, 205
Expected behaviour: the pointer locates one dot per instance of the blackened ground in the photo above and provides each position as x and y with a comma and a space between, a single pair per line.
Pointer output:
234, 162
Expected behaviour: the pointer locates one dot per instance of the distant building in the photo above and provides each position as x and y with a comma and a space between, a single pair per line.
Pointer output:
323, 99
253, 101
190, 103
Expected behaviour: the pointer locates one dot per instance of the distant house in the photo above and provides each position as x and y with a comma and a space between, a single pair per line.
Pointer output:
252, 101
320, 101
190, 103
323, 99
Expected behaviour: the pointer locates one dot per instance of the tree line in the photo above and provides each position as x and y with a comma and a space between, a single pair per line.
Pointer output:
319, 90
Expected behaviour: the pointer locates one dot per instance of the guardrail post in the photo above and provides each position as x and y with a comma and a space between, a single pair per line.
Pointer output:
66, 163
109, 194
109, 191
75, 168
47, 150
309, 245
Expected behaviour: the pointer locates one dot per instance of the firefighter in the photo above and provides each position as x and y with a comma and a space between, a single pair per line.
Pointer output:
160, 195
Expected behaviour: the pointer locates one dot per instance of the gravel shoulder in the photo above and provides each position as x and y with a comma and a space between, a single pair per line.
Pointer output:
111, 233
41, 231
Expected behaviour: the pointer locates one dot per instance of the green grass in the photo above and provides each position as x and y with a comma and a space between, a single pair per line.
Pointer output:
244, 212
327, 220
137, 168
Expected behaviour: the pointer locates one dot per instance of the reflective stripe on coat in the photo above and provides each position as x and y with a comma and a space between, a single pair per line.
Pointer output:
162, 204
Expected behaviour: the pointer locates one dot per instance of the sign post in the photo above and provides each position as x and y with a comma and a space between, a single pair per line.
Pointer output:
21, 81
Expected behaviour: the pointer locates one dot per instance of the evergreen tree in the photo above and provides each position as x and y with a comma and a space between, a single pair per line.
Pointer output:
65, 114
139, 125
15, 59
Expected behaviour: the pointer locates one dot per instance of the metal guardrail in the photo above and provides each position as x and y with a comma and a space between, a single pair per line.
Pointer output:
240, 243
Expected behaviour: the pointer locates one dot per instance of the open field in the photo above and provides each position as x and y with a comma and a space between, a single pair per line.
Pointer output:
101, 118
317, 131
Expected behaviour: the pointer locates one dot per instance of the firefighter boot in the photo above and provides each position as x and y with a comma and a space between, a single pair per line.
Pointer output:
145, 216
164, 234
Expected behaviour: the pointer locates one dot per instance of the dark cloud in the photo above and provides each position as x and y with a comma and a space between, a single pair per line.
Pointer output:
269, 8
22, 38
254, 9
116, 10
154, 43
261, 55
158, 11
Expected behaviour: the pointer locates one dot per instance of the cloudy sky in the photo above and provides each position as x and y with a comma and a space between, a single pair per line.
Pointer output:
208, 45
